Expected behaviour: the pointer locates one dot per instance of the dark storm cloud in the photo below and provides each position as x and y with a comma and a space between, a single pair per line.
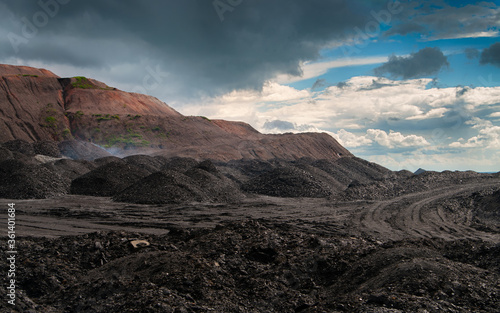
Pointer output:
256, 40
433, 19
428, 61
491, 55
405, 29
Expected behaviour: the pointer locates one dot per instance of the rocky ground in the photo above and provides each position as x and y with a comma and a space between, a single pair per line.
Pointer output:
246, 236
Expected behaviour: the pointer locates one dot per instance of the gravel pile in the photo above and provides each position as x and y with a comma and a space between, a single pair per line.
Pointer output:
394, 187
216, 186
163, 187
335, 176
19, 180
480, 209
200, 183
5, 154
48, 148
107, 180
80, 150
70, 169
253, 266
287, 182
107, 159
362, 170
149, 163
179, 164
240, 171
21, 146
325, 178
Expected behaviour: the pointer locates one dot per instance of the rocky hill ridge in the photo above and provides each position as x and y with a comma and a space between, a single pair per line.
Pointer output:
38, 105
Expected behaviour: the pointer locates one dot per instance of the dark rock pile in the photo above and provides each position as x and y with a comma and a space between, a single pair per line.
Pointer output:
178, 164
21, 146
19, 180
48, 148
70, 169
107, 180
253, 266
162, 187
5, 154
242, 170
217, 187
287, 182
149, 163
107, 159
202, 182
401, 185
480, 209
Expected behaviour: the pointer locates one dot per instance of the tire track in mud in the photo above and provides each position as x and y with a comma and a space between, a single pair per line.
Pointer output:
416, 216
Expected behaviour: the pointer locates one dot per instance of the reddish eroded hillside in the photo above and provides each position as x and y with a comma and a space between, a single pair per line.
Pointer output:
31, 104
37, 105
88, 95
6, 70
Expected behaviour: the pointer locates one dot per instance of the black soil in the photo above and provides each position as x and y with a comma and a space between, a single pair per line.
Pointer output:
254, 266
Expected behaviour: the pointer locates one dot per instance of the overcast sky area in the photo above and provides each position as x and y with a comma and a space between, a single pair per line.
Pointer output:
406, 84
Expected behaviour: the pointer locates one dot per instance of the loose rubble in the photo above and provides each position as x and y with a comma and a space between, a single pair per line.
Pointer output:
254, 266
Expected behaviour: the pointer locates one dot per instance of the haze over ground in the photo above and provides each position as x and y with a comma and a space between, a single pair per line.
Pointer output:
405, 84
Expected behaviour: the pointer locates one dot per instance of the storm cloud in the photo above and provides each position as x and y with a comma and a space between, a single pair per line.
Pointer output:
437, 19
491, 55
428, 61
206, 47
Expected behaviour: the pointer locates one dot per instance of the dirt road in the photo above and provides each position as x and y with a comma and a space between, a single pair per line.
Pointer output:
419, 215
416, 215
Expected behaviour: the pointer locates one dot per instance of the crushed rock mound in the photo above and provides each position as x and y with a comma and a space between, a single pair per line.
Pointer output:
394, 187
217, 187
80, 150
162, 187
287, 182
21, 146
240, 171
107, 159
70, 169
254, 266
5, 154
20, 180
479, 209
48, 148
200, 183
149, 163
179, 164
107, 180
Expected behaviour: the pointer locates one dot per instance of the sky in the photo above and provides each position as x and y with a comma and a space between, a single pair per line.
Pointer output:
406, 84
